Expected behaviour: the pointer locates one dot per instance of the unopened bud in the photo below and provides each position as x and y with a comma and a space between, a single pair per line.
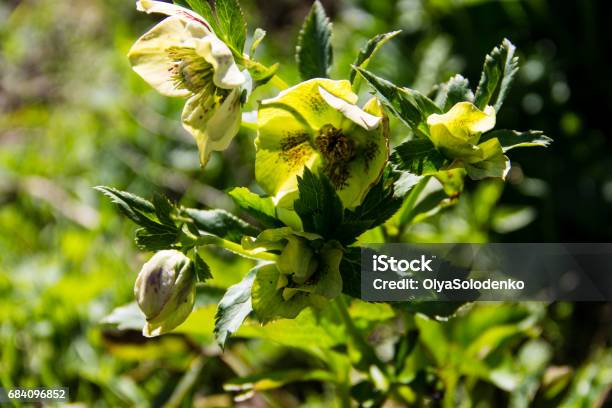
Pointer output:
297, 259
165, 291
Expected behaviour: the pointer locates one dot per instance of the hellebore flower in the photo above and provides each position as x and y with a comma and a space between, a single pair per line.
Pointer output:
165, 291
457, 133
316, 124
181, 56
307, 273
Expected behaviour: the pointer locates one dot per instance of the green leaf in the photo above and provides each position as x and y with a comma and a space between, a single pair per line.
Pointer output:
163, 209
258, 37
368, 51
314, 54
126, 317
232, 24
277, 379
233, 308
434, 310
260, 208
226, 19
203, 8
379, 204
410, 106
498, 72
418, 156
511, 139
221, 223
202, 269
308, 331
455, 90
136, 208
152, 241
350, 270
318, 205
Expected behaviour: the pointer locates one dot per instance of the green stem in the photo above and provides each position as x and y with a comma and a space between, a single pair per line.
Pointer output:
187, 382
410, 202
360, 343
278, 82
235, 248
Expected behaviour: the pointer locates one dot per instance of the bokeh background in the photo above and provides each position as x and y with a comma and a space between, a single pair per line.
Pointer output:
73, 115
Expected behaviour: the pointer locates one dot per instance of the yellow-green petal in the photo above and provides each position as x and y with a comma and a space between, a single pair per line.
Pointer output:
227, 75
169, 9
213, 125
316, 124
493, 163
150, 59
457, 131
373, 152
306, 104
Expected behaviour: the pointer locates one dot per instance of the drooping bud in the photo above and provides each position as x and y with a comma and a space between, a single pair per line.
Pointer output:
165, 291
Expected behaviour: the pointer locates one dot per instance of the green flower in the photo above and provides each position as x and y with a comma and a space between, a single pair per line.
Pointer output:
307, 273
316, 124
457, 134
181, 56
165, 291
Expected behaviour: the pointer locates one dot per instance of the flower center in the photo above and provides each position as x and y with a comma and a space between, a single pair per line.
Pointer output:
337, 151
189, 70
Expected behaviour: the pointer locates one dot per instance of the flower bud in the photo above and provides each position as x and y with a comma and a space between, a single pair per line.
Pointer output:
297, 259
165, 291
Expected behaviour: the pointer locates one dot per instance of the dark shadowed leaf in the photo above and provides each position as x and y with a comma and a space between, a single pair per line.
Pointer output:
202, 269
418, 156
378, 205
221, 223
318, 206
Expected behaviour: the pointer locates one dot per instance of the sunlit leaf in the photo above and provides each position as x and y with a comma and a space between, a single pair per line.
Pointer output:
314, 52
498, 72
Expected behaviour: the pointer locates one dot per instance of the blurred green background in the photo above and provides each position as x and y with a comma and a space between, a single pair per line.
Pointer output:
73, 115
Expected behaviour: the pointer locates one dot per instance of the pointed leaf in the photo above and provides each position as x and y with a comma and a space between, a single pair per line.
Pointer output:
233, 308
498, 72
136, 208
221, 223
314, 54
163, 209
202, 269
410, 106
379, 204
368, 51
418, 156
511, 139
455, 90
318, 206
226, 19
231, 21
260, 208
